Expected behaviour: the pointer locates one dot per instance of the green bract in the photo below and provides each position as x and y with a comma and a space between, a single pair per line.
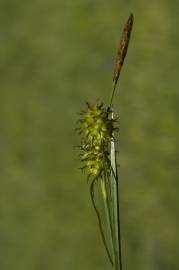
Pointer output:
96, 132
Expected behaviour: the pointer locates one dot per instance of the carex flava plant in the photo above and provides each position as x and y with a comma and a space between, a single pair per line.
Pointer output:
97, 129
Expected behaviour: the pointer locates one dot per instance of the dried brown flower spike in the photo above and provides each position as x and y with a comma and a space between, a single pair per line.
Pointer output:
122, 51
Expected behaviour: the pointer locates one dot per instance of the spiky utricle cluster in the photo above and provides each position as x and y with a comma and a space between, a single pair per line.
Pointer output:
96, 131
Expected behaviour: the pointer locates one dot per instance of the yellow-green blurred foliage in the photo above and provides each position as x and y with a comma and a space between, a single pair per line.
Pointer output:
54, 56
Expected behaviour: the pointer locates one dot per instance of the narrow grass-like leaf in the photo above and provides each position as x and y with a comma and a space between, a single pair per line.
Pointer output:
106, 193
99, 221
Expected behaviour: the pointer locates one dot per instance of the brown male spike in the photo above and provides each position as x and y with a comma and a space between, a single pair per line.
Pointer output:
122, 51
123, 48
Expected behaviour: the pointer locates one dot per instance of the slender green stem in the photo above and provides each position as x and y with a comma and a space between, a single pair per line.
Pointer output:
115, 210
113, 91
118, 221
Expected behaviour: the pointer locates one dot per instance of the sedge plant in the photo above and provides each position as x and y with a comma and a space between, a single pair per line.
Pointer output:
97, 129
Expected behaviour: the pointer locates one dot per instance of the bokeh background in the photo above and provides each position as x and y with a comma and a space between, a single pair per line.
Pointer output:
54, 56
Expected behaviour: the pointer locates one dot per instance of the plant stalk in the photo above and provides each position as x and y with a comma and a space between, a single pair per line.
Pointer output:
115, 207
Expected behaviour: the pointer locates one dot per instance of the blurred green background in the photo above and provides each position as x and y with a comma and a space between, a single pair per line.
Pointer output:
54, 56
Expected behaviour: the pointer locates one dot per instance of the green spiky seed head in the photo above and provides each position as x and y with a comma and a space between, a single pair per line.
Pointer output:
96, 131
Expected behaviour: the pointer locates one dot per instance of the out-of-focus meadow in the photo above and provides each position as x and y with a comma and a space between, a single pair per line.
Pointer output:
54, 56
